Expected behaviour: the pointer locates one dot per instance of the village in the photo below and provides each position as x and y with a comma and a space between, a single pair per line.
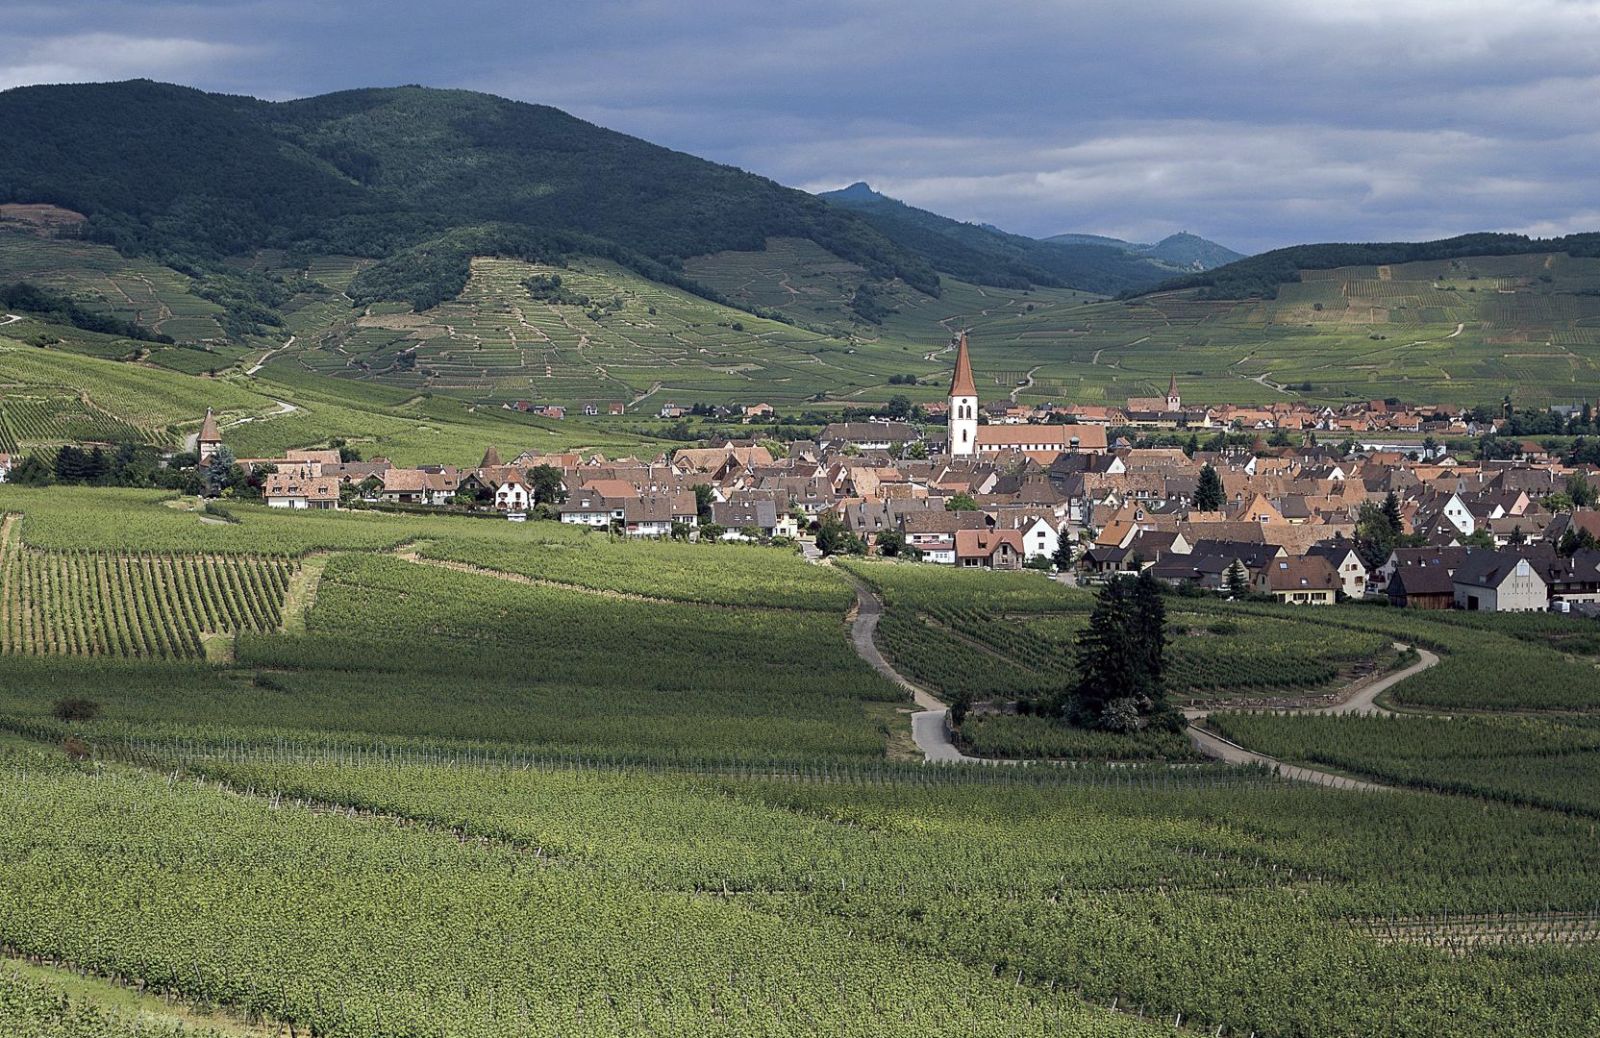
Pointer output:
1301, 523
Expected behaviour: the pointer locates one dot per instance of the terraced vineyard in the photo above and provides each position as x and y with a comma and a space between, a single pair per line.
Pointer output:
139, 290
498, 341
144, 606
47, 421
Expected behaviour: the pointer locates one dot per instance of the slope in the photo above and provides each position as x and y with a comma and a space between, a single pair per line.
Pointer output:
993, 257
372, 172
1183, 249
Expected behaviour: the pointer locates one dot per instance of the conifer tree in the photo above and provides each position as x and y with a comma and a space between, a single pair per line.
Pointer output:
1238, 582
1208, 493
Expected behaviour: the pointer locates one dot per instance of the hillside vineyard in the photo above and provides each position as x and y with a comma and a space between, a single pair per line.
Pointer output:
469, 573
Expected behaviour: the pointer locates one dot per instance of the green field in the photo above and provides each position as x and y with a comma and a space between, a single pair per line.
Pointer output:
522, 778
1461, 331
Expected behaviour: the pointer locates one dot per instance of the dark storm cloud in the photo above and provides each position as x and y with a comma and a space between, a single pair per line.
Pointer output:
1253, 122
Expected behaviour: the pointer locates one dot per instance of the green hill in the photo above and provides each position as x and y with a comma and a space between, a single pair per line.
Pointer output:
1259, 276
392, 254
378, 172
1183, 249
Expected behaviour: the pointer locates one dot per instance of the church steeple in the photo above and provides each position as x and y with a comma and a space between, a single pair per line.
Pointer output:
1174, 402
962, 422
962, 384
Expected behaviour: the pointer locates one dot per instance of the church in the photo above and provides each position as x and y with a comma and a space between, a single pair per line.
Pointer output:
1043, 443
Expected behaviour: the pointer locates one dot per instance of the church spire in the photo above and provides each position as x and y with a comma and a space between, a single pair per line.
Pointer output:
962, 384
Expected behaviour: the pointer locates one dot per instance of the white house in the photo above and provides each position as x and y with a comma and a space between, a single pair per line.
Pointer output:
1459, 515
1499, 582
1352, 571
1039, 539
513, 494
587, 508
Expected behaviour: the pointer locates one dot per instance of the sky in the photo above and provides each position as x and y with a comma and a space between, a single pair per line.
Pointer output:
1257, 123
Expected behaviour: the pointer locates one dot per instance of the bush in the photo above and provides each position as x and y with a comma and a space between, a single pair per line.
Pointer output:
75, 708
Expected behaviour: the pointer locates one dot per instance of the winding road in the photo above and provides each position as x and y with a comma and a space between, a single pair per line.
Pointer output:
932, 736
928, 723
10, 319
1362, 701
258, 365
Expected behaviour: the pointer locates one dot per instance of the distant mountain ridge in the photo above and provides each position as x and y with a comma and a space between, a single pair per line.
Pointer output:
1181, 250
988, 255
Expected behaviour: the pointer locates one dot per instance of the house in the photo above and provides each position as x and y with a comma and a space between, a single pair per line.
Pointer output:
1308, 580
1499, 582
1040, 539
933, 533
616, 408
1422, 587
868, 436
755, 411
1575, 579
588, 508
1352, 571
5, 467
989, 549
739, 519
418, 487
513, 493
654, 515
291, 490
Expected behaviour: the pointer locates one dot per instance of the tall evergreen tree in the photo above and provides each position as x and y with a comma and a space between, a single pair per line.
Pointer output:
1237, 581
1121, 674
1150, 636
1208, 493
1391, 513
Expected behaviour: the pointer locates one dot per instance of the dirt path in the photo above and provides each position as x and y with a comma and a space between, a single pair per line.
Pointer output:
1026, 383
928, 723
1361, 701
258, 365
10, 319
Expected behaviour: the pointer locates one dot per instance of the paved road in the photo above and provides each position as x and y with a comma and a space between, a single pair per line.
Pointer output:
928, 723
1213, 745
10, 319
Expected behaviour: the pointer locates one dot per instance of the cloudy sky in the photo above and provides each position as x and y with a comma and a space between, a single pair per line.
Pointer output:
1255, 122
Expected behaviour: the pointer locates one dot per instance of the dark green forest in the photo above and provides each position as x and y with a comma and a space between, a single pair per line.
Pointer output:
1259, 276
191, 177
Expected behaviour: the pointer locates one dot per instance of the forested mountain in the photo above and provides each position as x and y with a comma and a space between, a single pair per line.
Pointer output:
1260, 276
1179, 250
417, 173
989, 256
